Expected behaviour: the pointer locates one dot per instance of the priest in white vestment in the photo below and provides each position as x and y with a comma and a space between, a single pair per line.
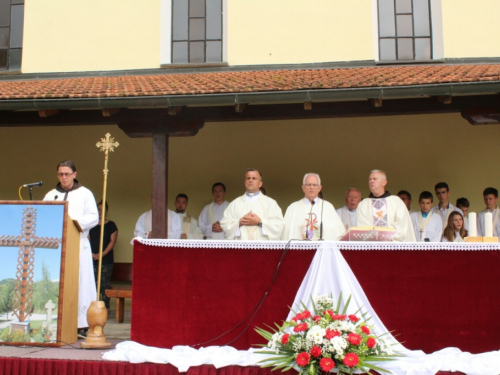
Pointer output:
144, 225
347, 213
253, 216
444, 207
381, 209
490, 196
312, 218
82, 208
211, 215
428, 226
190, 228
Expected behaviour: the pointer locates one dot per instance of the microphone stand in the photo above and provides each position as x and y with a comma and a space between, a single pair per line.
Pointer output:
31, 193
321, 224
309, 221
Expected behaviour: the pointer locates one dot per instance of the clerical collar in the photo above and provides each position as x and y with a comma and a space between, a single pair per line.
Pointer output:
307, 201
75, 186
248, 194
425, 214
385, 195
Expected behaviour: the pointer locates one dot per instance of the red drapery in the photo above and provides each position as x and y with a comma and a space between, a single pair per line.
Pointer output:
30, 366
431, 299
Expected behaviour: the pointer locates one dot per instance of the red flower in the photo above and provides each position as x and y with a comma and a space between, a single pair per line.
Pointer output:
351, 360
306, 314
354, 338
284, 339
315, 351
303, 359
353, 318
301, 327
365, 330
326, 364
295, 318
371, 342
330, 334
338, 317
328, 312
316, 318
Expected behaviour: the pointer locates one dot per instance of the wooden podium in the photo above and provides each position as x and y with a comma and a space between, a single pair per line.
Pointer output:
46, 243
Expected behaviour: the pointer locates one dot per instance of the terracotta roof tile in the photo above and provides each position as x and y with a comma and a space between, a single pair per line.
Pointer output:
247, 81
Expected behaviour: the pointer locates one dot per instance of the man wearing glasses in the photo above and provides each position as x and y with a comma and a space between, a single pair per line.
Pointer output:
82, 208
312, 218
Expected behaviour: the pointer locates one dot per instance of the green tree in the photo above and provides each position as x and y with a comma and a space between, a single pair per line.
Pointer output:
44, 290
6, 295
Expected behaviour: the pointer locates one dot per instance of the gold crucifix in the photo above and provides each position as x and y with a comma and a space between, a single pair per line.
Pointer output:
97, 314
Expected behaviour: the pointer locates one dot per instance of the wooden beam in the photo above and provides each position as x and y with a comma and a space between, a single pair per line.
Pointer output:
445, 99
377, 102
172, 111
308, 106
108, 112
159, 196
47, 112
179, 128
239, 107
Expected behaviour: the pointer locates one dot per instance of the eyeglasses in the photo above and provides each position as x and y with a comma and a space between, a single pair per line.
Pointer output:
311, 185
65, 174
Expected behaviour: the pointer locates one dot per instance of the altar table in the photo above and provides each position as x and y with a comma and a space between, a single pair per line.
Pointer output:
431, 296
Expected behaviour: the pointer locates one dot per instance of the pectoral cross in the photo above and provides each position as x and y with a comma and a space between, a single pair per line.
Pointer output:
27, 242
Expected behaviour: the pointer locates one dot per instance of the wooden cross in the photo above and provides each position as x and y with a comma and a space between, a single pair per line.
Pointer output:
27, 242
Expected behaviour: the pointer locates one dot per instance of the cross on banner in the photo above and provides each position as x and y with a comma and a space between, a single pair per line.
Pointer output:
27, 242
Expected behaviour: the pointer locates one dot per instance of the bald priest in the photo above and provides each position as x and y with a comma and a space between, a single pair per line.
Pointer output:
253, 216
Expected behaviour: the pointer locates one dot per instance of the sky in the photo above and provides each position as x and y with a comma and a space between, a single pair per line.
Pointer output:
49, 223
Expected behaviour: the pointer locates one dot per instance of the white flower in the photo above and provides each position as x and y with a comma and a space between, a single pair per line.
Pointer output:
316, 334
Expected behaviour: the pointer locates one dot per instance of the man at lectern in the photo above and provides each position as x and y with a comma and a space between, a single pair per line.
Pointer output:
82, 208
312, 218
381, 209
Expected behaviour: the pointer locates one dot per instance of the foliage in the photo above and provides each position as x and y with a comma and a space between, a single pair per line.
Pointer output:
325, 340
6, 295
44, 290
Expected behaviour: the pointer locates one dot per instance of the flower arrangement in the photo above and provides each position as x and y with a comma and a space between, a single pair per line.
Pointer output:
324, 340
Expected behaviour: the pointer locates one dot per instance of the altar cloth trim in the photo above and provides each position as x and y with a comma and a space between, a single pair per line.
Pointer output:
314, 245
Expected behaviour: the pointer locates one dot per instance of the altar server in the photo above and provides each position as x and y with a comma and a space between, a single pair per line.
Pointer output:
348, 213
464, 205
190, 228
381, 209
454, 231
253, 216
211, 215
312, 218
144, 225
406, 198
490, 196
444, 207
428, 226
82, 208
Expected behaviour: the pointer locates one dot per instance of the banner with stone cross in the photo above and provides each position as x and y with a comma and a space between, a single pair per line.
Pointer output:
27, 241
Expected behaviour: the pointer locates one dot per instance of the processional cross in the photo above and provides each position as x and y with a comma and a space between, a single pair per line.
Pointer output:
27, 242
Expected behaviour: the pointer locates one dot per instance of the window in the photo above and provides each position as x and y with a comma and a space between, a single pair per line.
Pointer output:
405, 30
197, 31
11, 34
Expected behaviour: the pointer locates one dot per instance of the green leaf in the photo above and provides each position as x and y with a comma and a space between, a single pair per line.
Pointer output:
346, 305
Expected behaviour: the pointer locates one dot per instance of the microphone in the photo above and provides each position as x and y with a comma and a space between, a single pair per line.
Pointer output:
321, 224
310, 220
55, 197
39, 184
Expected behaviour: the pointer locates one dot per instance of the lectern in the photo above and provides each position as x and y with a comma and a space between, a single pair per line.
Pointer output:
40, 251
